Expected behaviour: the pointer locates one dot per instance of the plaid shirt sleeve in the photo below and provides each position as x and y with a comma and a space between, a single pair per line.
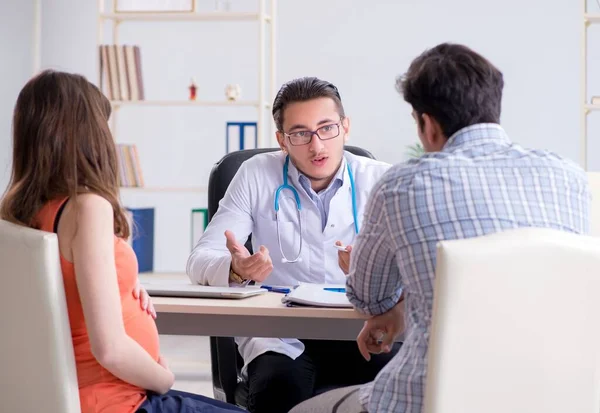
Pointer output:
373, 285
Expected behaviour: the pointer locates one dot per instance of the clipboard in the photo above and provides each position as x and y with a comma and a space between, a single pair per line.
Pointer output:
317, 295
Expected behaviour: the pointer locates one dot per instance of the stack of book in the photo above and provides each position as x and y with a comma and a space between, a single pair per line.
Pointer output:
121, 72
130, 171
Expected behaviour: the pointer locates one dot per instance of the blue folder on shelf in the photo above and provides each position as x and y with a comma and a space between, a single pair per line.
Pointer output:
142, 240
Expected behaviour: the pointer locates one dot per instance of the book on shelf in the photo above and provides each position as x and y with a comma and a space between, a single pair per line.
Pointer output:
121, 72
141, 238
130, 171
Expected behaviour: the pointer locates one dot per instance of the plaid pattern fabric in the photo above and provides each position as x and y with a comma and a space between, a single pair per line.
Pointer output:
478, 184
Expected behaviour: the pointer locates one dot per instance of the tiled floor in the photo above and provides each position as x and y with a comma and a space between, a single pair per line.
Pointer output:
189, 359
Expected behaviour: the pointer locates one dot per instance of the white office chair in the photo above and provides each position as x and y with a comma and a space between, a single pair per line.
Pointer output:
37, 366
516, 324
594, 180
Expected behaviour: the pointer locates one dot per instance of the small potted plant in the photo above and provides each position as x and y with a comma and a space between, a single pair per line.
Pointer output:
415, 151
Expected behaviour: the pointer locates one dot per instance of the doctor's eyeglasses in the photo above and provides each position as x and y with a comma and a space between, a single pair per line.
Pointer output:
304, 137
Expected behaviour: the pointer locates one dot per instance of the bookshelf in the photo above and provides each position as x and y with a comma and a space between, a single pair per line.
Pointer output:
265, 78
107, 13
586, 107
161, 194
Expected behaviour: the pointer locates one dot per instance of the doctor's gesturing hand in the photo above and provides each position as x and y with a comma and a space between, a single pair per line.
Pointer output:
250, 267
344, 257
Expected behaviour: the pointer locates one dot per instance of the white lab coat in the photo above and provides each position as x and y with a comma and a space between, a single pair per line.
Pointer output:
248, 208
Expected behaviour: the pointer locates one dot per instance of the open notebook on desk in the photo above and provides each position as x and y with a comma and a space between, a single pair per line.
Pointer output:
184, 288
318, 295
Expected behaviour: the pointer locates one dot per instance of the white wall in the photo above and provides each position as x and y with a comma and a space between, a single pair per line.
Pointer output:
361, 46
593, 88
68, 36
16, 38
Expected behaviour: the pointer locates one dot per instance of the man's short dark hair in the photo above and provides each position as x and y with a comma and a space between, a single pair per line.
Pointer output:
300, 90
455, 85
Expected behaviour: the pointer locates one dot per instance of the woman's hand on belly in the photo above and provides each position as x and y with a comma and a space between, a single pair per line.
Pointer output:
142, 296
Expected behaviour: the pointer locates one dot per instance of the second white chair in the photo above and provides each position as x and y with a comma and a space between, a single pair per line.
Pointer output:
516, 325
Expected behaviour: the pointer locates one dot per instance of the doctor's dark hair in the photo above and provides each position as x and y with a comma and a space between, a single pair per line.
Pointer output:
455, 85
301, 90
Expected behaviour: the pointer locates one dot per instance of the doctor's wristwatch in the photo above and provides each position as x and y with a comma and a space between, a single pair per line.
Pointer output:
235, 277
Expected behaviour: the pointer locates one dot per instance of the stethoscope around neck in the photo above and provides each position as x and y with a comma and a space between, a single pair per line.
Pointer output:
287, 186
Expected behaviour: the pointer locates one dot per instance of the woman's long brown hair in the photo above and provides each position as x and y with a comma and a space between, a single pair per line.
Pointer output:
62, 147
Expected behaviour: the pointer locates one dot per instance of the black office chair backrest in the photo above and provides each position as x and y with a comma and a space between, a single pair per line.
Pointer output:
223, 172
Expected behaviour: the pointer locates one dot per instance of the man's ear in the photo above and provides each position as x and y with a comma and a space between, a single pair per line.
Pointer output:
281, 141
346, 128
432, 132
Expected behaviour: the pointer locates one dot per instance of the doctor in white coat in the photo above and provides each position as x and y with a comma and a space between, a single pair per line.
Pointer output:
320, 192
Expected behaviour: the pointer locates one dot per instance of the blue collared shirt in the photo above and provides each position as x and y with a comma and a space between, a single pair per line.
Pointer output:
323, 198
478, 184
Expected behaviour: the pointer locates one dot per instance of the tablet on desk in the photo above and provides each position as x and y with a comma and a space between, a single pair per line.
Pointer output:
200, 291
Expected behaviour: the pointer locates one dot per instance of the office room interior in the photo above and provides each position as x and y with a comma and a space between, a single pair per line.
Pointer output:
551, 73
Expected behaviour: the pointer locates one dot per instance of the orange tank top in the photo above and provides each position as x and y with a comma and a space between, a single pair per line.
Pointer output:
99, 390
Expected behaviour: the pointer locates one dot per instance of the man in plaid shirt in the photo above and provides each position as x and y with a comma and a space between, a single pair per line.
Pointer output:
473, 181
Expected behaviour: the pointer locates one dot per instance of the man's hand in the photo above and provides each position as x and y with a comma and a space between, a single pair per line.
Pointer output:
344, 258
141, 294
250, 267
379, 332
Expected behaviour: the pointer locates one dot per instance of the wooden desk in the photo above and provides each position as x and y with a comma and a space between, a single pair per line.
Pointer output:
258, 316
